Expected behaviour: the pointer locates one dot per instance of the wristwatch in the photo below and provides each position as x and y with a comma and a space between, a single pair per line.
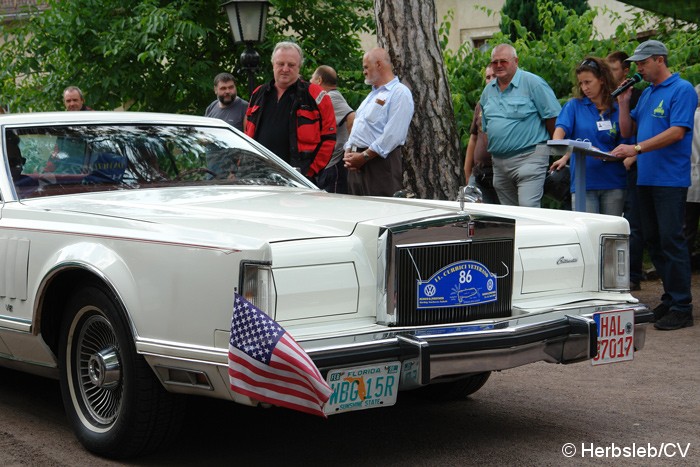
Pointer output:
365, 155
638, 148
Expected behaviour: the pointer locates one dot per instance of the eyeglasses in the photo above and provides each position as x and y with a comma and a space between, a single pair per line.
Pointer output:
589, 64
501, 61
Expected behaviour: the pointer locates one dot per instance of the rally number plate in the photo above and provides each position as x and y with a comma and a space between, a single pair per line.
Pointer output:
615, 336
364, 387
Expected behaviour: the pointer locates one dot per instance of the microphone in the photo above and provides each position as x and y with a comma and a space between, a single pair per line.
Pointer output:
629, 82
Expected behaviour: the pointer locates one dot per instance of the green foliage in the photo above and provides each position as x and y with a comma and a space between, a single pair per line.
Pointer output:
158, 55
555, 55
328, 33
526, 13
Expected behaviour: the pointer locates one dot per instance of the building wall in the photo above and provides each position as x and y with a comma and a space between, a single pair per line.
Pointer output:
473, 26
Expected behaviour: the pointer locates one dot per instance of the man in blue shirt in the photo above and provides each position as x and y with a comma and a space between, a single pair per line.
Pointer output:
663, 121
373, 150
519, 112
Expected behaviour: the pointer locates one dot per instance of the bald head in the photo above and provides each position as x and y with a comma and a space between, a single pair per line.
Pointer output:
377, 68
326, 77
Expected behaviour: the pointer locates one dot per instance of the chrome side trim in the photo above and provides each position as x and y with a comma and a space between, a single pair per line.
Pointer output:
15, 324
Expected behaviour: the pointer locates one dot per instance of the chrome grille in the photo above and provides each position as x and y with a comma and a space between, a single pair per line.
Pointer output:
492, 245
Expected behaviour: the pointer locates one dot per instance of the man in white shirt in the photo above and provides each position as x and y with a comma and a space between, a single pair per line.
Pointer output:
373, 150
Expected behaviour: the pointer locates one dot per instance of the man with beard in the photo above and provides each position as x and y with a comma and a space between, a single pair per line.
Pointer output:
227, 106
373, 150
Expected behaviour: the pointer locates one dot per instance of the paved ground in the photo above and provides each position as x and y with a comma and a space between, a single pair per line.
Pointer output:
532, 415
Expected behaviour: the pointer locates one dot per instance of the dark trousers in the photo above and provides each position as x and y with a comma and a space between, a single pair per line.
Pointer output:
378, 177
692, 217
483, 179
631, 213
333, 179
662, 212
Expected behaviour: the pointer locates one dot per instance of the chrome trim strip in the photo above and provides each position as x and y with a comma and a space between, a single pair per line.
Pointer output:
15, 324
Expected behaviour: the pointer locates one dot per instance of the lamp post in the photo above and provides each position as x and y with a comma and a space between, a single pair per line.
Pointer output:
247, 19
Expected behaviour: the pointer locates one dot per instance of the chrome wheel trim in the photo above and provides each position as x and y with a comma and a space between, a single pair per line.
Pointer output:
98, 370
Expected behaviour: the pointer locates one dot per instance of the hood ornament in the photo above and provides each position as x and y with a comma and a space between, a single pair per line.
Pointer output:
469, 194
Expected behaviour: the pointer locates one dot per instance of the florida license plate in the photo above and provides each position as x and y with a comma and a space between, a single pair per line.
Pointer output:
615, 336
364, 387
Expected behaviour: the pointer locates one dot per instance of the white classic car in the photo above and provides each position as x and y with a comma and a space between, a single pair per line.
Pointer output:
124, 238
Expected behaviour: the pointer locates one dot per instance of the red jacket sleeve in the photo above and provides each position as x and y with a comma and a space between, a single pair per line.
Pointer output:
327, 144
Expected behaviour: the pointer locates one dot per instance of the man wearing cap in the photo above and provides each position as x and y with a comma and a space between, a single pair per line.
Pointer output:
663, 122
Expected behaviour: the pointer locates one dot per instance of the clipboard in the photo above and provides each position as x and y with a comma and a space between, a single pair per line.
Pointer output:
583, 147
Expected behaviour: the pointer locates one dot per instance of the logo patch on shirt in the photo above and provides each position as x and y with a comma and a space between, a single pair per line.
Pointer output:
659, 110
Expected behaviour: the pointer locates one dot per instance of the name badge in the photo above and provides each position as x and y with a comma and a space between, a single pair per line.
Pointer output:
604, 125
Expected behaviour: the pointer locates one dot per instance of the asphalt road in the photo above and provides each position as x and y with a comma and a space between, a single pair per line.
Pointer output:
615, 414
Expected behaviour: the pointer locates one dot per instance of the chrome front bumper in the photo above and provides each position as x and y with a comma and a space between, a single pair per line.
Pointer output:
427, 353
442, 351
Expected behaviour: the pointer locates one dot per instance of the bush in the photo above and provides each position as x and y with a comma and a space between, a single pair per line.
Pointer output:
555, 55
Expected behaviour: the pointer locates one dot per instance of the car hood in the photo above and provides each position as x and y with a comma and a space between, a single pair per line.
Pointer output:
268, 214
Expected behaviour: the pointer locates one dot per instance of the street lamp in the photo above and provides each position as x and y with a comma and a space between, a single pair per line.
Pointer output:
247, 19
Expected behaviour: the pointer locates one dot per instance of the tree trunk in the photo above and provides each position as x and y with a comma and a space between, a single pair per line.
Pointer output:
406, 29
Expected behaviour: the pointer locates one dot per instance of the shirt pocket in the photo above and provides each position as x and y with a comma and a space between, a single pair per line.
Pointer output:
375, 112
520, 107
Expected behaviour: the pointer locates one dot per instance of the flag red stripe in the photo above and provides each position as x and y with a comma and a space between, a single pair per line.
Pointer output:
269, 388
300, 408
272, 376
319, 388
300, 386
265, 391
301, 355
296, 354
288, 377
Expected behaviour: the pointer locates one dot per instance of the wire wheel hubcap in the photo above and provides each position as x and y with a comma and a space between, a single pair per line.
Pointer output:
99, 369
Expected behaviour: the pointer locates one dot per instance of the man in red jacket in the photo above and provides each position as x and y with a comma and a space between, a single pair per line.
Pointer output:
292, 117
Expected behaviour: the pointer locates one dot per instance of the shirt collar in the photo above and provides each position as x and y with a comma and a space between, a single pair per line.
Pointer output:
388, 86
668, 81
515, 82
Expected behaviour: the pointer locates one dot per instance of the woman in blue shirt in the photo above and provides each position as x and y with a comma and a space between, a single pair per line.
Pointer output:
593, 116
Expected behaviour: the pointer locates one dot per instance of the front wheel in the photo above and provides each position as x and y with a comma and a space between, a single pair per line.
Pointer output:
114, 403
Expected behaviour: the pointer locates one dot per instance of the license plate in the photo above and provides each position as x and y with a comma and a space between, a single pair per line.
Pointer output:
364, 387
615, 336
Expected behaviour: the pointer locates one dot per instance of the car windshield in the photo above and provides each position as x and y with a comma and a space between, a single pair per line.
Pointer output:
53, 160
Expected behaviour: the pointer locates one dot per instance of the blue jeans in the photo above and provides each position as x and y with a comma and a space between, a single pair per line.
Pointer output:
609, 202
662, 211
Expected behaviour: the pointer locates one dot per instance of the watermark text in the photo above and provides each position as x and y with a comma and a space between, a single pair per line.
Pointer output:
613, 450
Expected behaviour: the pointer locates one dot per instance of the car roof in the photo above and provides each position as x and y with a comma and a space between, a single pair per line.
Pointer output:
108, 117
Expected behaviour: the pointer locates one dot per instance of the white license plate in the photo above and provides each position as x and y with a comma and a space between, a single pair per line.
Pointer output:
615, 336
364, 387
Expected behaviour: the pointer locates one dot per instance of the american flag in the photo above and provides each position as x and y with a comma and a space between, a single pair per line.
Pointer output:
266, 364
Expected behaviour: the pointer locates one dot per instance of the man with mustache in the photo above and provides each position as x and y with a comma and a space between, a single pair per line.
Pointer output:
227, 106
